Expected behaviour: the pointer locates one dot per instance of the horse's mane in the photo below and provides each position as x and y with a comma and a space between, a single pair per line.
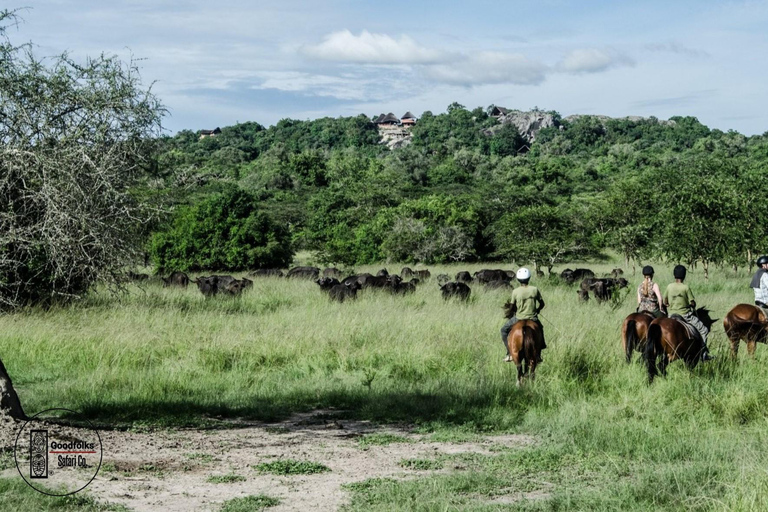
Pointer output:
509, 309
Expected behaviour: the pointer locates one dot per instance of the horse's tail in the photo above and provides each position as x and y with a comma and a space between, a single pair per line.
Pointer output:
529, 345
631, 341
652, 350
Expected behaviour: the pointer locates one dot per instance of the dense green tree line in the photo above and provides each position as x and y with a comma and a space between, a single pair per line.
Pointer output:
466, 189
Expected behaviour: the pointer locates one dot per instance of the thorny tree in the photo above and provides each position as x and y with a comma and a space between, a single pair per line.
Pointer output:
74, 139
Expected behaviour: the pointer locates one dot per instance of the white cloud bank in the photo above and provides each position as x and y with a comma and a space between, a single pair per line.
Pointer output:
371, 48
489, 68
593, 60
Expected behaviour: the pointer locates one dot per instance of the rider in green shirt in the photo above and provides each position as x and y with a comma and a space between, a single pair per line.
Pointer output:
679, 300
528, 303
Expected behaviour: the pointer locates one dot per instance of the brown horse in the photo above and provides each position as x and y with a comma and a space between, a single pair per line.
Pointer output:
524, 344
746, 322
668, 339
634, 331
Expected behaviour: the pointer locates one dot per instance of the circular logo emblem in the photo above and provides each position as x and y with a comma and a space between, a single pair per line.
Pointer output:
55, 459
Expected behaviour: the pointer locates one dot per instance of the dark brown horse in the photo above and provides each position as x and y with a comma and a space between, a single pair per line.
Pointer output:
746, 322
524, 344
668, 339
634, 332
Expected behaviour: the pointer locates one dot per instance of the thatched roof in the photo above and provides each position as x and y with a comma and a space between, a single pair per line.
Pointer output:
390, 118
378, 119
408, 115
499, 111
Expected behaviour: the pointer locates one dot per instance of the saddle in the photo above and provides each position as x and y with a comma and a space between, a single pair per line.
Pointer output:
692, 332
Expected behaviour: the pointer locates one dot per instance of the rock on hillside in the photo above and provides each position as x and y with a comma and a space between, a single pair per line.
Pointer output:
528, 123
395, 137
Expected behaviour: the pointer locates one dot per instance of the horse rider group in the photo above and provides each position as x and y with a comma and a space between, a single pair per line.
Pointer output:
677, 300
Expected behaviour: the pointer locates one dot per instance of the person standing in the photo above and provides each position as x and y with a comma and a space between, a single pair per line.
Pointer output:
528, 302
679, 300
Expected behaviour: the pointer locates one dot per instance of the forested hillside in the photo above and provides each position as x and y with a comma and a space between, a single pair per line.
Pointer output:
464, 190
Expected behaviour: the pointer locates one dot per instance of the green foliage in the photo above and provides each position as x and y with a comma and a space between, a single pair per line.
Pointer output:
225, 479
225, 232
254, 503
421, 464
292, 467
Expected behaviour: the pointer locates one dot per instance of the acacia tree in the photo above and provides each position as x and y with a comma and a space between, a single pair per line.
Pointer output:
73, 142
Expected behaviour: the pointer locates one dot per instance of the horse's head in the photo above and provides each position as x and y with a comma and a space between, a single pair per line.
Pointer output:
708, 321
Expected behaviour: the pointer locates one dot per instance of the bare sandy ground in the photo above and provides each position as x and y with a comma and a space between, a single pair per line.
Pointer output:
168, 470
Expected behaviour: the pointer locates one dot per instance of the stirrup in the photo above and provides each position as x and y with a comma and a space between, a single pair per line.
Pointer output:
508, 359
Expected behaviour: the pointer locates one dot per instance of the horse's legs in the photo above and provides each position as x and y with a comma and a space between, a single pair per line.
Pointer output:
751, 345
532, 370
663, 364
734, 345
519, 374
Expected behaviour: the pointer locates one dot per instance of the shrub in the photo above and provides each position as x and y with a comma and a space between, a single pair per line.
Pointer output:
225, 232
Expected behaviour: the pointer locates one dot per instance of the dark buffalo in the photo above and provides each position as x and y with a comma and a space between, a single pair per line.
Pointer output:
571, 276
396, 286
304, 272
458, 290
617, 272
326, 283
383, 272
208, 286
247, 283
463, 277
510, 274
266, 272
415, 281
234, 288
443, 278
342, 292
423, 274
602, 288
332, 272
176, 279
350, 279
487, 275
496, 285
407, 273
370, 281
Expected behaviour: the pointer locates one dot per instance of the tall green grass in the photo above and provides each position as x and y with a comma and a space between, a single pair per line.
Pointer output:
695, 440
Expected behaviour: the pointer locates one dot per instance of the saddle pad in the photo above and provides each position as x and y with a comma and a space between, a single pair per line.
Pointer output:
693, 333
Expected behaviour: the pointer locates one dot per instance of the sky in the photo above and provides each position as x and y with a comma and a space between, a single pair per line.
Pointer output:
217, 63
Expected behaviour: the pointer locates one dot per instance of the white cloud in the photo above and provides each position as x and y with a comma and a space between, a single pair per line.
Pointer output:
673, 47
489, 68
373, 49
593, 60
320, 85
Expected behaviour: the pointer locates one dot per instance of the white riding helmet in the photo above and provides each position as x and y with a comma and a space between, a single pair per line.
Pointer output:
523, 274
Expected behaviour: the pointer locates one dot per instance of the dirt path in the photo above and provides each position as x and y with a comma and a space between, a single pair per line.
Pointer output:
169, 470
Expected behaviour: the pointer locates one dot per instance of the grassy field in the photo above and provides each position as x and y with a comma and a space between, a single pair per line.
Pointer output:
159, 357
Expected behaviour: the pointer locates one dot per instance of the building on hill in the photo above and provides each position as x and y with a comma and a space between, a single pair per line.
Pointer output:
408, 119
387, 120
210, 133
499, 111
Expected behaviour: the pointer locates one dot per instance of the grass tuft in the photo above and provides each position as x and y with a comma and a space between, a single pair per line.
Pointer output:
292, 467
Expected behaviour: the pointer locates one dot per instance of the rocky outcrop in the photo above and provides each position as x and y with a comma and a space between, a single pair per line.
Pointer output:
395, 137
528, 123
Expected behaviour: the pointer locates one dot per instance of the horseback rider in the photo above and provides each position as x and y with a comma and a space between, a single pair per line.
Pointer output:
528, 302
678, 298
760, 284
649, 295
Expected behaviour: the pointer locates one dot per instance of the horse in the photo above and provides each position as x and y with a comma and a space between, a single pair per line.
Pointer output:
634, 332
669, 339
524, 344
746, 322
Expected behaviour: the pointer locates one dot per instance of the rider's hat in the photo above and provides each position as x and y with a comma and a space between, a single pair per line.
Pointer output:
762, 260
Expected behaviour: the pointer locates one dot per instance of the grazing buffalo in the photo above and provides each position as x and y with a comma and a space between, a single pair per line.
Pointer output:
342, 292
423, 274
326, 283
304, 272
407, 273
382, 272
397, 287
571, 276
463, 277
176, 279
487, 275
247, 283
350, 279
369, 281
234, 288
496, 285
266, 272
207, 285
443, 278
415, 281
617, 272
602, 288
332, 272
458, 290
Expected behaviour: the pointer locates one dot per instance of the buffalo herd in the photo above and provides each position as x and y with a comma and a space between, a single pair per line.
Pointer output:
342, 289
